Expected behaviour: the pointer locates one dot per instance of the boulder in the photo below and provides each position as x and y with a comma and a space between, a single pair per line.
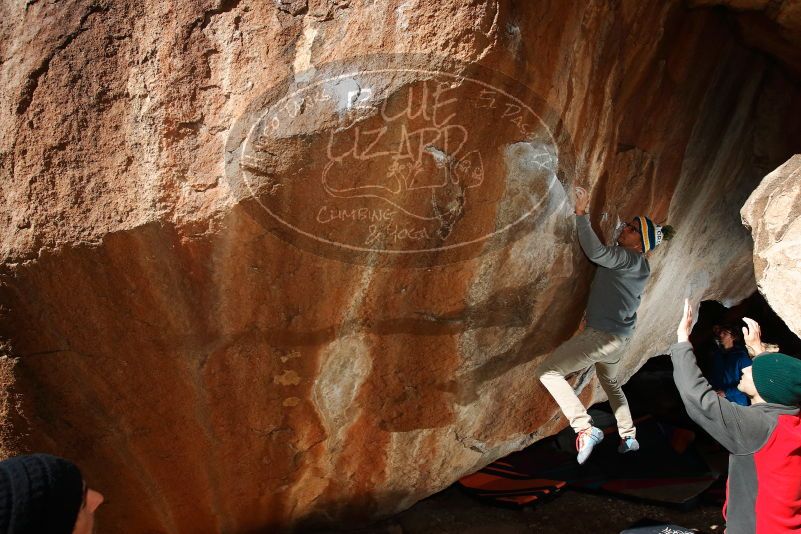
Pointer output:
277, 265
773, 213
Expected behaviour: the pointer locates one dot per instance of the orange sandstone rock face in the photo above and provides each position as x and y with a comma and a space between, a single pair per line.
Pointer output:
287, 264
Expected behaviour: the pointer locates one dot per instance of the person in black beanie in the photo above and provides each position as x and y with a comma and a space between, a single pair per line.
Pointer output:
44, 494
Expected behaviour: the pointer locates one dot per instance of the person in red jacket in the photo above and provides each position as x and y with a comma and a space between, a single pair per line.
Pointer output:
763, 493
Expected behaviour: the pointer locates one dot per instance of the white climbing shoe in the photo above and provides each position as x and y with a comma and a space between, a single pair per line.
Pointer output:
586, 440
628, 445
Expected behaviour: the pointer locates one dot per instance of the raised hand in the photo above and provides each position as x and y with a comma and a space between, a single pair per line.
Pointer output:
686, 323
582, 200
752, 335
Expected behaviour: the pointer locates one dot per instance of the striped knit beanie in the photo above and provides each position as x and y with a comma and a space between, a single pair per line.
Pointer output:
777, 378
650, 234
39, 494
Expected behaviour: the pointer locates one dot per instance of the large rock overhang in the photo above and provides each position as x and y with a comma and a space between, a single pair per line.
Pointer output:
205, 324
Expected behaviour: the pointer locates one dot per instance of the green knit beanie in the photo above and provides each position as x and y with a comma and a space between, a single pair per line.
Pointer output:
777, 378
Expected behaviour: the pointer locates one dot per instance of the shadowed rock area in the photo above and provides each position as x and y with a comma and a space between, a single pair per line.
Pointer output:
292, 264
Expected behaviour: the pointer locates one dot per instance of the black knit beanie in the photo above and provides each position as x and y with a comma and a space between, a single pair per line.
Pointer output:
777, 378
39, 494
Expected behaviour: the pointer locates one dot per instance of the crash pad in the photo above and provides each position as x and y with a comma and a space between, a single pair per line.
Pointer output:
667, 469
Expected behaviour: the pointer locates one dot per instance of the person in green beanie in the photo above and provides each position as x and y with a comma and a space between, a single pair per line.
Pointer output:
763, 439
776, 378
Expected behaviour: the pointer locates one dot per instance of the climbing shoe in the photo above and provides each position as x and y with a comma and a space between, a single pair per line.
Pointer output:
585, 441
628, 445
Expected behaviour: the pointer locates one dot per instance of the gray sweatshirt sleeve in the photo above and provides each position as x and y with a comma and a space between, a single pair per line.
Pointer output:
597, 252
739, 429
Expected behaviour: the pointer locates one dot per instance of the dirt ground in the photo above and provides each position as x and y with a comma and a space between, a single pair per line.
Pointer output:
453, 512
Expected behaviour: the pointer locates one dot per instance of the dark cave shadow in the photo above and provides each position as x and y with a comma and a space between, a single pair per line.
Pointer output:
774, 330
361, 514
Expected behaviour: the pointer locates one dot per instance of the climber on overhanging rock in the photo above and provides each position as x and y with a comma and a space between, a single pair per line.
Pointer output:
622, 273
764, 439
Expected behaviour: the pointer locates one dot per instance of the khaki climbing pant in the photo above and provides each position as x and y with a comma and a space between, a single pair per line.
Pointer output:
589, 347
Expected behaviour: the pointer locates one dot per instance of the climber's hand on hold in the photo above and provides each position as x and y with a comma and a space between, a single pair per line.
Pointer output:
752, 335
582, 200
686, 323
